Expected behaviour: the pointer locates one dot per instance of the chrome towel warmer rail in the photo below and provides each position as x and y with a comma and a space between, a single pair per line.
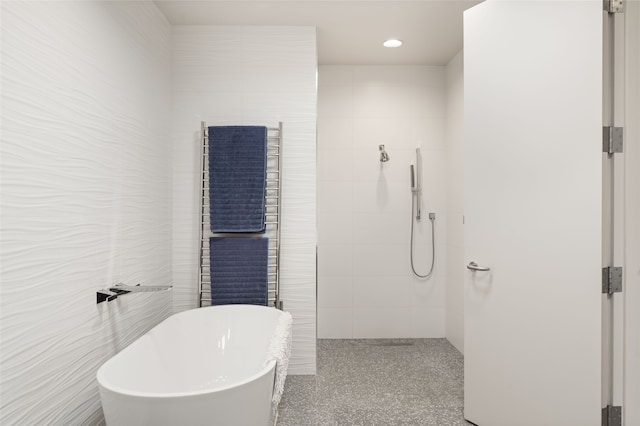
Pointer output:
273, 216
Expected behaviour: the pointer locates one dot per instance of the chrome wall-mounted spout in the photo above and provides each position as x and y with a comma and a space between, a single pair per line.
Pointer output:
384, 157
112, 293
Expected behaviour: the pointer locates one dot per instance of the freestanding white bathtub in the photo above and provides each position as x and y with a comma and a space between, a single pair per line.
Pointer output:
205, 366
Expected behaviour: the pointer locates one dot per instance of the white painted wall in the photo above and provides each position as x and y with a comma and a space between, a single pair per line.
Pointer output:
365, 286
631, 407
85, 197
250, 75
455, 203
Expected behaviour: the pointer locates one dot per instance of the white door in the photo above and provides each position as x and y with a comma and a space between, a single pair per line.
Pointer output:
533, 212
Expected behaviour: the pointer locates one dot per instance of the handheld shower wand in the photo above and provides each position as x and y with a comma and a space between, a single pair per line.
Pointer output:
416, 192
416, 188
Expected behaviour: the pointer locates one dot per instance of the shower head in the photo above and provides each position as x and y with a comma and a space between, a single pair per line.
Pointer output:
384, 157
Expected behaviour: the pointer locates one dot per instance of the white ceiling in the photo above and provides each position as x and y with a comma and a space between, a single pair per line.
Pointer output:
350, 32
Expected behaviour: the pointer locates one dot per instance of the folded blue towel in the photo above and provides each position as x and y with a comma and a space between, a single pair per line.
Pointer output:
237, 173
239, 269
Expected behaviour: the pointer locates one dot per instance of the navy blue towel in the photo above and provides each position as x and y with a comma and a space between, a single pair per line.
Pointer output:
237, 173
239, 268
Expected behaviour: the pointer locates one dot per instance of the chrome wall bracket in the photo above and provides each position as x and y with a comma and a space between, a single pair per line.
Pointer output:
105, 295
612, 139
612, 416
612, 279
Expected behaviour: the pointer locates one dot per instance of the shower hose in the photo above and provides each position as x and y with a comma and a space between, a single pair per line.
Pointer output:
433, 242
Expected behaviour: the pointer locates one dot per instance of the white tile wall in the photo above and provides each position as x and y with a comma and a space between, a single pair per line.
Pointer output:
390, 291
336, 321
335, 292
376, 322
86, 197
365, 286
455, 201
428, 322
251, 75
335, 260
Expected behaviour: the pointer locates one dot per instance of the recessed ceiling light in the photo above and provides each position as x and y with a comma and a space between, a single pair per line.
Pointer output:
392, 43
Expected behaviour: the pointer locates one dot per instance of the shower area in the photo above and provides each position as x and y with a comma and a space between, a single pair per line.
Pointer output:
384, 184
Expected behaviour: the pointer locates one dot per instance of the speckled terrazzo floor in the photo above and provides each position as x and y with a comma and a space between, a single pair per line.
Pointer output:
381, 382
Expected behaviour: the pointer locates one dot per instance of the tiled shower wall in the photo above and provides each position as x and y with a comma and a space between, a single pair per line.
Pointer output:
365, 285
86, 199
455, 203
250, 76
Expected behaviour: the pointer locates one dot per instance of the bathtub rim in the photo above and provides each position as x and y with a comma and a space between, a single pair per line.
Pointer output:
103, 382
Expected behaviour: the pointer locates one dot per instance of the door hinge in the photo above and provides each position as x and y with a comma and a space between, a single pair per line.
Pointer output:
612, 139
613, 6
611, 279
612, 416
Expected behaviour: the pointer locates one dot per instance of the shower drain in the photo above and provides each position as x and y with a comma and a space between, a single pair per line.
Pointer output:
382, 342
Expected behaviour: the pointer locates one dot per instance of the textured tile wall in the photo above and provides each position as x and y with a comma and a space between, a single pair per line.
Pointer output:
455, 268
85, 197
365, 285
250, 75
